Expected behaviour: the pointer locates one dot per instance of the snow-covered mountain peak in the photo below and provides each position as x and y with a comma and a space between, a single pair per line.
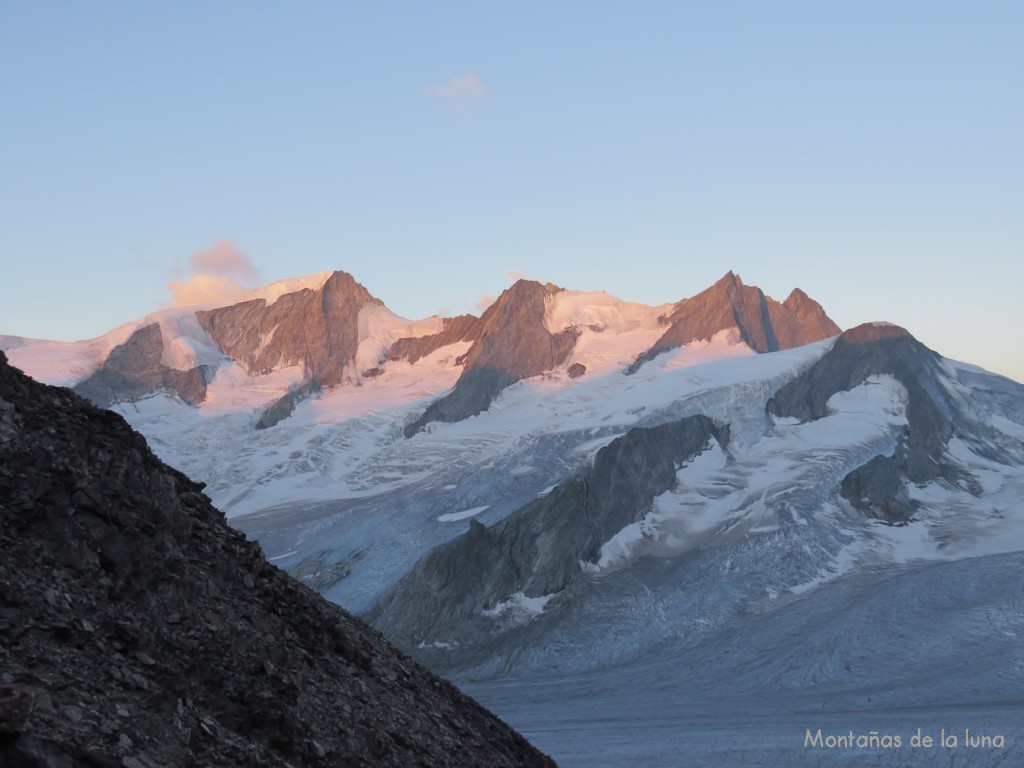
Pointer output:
273, 291
332, 330
600, 312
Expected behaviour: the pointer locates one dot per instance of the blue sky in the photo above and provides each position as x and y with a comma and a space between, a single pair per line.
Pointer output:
870, 152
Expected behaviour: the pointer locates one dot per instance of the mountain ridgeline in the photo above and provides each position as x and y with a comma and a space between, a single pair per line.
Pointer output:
637, 521
324, 328
511, 343
764, 324
538, 550
878, 487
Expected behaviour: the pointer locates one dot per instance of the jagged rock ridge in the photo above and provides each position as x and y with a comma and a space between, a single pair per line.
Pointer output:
134, 369
453, 330
872, 349
138, 629
317, 329
764, 324
538, 549
338, 333
511, 343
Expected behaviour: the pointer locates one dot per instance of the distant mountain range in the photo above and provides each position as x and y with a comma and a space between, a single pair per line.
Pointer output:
335, 332
580, 493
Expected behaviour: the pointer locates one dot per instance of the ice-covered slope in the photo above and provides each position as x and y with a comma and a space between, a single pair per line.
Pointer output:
765, 515
896, 651
757, 598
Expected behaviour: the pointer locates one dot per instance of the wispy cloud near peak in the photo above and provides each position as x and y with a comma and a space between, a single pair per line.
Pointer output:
219, 273
461, 93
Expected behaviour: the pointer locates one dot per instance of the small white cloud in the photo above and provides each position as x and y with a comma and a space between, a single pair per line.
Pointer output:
484, 302
217, 275
514, 276
223, 258
461, 93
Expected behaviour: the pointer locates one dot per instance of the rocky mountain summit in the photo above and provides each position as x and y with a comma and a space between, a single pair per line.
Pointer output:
879, 486
299, 338
137, 629
510, 343
765, 325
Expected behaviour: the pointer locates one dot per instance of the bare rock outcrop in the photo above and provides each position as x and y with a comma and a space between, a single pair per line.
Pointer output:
134, 369
879, 487
764, 324
538, 549
512, 344
453, 330
317, 329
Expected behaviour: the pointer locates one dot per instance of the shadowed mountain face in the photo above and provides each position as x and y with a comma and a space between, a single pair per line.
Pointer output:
537, 550
138, 629
511, 343
869, 350
134, 369
764, 324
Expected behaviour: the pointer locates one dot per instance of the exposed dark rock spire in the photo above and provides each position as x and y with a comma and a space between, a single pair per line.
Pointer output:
764, 324
512, 343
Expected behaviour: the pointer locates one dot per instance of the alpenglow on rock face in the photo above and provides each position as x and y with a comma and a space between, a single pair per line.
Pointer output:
512, 344
317, 329
300, 338
764, 324
137, 628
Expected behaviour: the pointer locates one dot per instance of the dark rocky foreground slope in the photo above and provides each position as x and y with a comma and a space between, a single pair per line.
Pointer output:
138, 629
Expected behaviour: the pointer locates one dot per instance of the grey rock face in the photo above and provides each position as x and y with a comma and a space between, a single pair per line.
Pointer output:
133, 370
138, 629
511, 344
765, 324
453, 329
799, 320
576, 370
878, 487
316, 329
538, 549
284, 406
